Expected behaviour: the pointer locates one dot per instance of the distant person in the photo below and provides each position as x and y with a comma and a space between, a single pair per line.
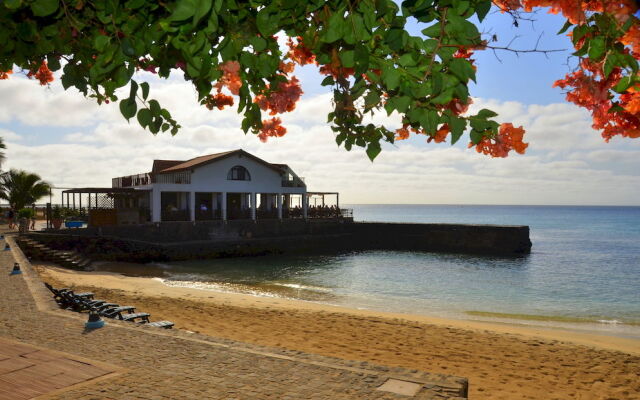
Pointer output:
33, 217
10, 216
203, 207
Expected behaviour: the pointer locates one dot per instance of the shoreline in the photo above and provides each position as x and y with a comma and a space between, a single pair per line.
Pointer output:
150, 287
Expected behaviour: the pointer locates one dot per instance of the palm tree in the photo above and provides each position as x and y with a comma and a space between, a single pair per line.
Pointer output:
2, 147
21, 188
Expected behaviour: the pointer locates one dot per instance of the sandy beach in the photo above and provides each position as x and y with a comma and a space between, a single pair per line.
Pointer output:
502, 361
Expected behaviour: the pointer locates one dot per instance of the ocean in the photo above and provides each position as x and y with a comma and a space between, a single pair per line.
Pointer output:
583, 271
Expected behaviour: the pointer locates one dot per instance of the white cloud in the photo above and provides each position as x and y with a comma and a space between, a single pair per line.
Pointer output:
567, 162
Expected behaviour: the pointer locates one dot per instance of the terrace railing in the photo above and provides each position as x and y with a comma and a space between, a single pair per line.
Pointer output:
147, 179
131, 180
294, 182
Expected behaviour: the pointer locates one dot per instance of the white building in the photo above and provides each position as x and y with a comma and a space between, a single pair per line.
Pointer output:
228, 185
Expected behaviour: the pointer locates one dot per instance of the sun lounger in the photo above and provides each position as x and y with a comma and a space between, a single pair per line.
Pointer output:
132, 317
162, 324
115, 311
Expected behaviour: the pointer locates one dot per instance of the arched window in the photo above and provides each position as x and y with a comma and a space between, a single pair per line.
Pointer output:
238, 173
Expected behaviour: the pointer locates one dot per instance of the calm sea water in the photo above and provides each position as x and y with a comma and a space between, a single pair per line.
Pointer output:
584, 269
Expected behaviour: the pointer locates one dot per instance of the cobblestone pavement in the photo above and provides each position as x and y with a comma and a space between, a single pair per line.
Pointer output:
163, 364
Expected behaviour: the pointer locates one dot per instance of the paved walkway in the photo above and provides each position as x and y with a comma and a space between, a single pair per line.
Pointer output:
27, 371
161, 364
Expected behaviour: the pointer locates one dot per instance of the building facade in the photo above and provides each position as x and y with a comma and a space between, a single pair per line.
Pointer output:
229, 185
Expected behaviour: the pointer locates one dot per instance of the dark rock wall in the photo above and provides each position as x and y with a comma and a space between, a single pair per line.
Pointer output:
186, 240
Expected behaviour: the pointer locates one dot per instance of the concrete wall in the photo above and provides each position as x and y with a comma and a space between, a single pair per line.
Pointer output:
184, 240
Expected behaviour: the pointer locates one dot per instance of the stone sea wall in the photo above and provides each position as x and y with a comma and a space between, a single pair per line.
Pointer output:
187, 240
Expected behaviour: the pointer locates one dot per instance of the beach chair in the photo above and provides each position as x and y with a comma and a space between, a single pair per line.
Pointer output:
113, 312
144, 317
161, 324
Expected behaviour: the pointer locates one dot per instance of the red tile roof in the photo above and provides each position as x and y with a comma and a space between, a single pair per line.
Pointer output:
169, 166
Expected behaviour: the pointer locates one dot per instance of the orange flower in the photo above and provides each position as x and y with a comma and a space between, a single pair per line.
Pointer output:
299, 53
43, 74
508, 138
5, 74
271, 128
287, 67
219, 100
282, 100
230, 78
402, 133
441, 134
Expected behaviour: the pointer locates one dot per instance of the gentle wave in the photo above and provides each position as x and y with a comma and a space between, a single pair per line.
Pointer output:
277, 290
550, 318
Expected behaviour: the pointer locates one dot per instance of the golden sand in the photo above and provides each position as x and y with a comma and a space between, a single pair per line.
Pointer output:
502, 361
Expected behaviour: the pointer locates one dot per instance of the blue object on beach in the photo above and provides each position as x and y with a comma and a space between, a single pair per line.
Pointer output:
94, 321
73, 224
15, 270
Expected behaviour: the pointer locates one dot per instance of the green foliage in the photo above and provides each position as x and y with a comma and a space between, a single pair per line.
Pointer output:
56, 212
100, 45
21, 188
25, 213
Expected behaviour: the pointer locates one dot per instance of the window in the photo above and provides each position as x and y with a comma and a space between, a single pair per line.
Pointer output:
238, 173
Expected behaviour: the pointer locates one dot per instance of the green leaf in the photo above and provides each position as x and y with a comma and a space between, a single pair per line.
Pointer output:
144, 117
267, 22
401, 103
457, 126
42, 8
476, 136
12, 4
396, 39
133, 90
185, 9
328, 81
101, 42
429, 120
610, 63
482, 9
258, 43
566, 26
373, 149
433, 31
372, 99
202, 7
336, 27
623, 84
145, 90
155, 107
486, 114
596, 48
462, 69
347, 58
128, 108
391, 78
406, 60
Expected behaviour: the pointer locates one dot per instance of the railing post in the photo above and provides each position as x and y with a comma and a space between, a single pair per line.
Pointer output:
305, 205
224, 206
192, 206
253, 206
279, 205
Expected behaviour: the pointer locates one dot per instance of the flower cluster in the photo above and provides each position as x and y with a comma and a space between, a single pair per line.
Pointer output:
43, 74
299, 53
508, 138
230, 77
271, 128
5, 74
219, 101
282, 100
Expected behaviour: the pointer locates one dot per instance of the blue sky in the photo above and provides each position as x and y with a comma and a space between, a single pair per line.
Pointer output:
70, 141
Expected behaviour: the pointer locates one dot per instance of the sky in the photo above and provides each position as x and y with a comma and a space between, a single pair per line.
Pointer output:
72, 142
